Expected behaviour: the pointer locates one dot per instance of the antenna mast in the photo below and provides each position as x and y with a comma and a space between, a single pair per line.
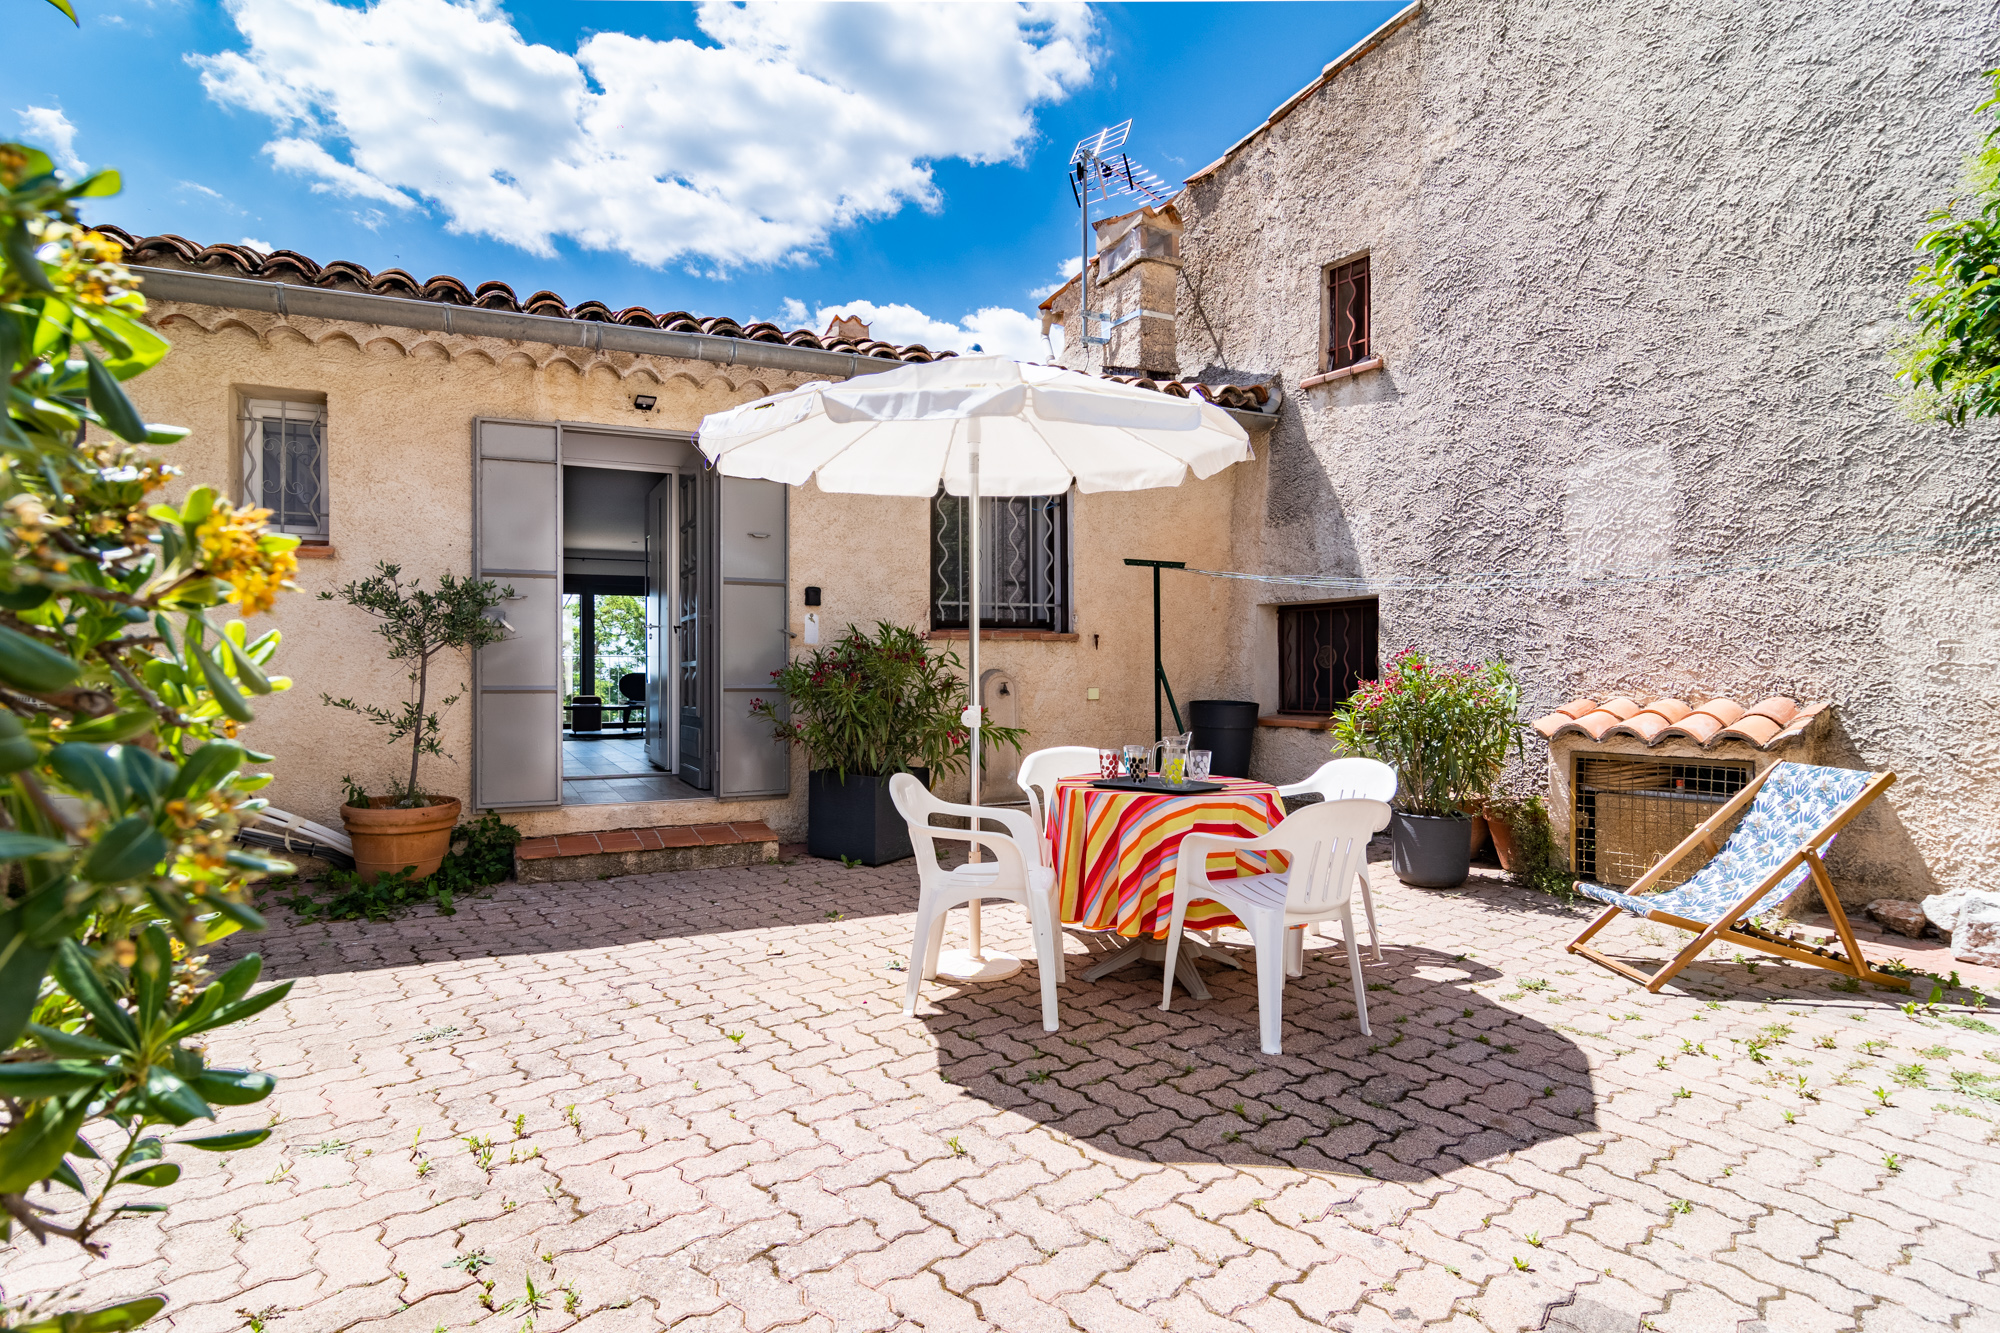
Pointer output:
1096, 172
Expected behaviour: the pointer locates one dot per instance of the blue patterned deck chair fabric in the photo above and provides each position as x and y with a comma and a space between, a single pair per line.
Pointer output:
1795, 811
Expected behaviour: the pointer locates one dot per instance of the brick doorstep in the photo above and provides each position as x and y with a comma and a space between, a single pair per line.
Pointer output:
641, 851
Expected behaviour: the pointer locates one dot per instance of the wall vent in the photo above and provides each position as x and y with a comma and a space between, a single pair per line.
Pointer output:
1630, 812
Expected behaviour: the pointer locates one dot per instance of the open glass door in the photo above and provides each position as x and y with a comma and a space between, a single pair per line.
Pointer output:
661, 664
690, 607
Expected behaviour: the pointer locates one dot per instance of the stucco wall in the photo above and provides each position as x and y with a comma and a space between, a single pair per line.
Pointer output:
400, 406
1634, 268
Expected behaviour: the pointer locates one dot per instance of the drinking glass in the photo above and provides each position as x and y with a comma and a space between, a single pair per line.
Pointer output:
1197, 764
1138, 762
1110, 764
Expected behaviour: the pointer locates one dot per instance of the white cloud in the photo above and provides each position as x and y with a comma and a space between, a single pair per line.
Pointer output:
264, 247
48, 128
1070, 268
800, 119
997, 329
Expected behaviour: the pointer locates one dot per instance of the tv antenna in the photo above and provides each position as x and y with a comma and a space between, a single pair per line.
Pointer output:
1100, 174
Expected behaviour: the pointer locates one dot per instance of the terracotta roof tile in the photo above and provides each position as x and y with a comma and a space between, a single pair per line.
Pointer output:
1241, 397
170, 251
1764, 724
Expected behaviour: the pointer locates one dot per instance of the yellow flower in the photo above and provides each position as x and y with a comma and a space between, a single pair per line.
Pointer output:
232, 553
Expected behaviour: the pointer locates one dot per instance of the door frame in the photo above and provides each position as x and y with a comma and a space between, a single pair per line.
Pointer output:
565, 431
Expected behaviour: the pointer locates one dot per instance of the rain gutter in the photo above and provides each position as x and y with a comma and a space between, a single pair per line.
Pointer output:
287, 299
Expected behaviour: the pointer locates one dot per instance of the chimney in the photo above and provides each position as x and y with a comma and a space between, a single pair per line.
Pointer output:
1136, 274
846, 328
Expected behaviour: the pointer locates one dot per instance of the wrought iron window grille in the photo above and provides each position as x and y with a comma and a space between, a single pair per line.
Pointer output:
1325, 650
1348, 314
284, 464
1024, 565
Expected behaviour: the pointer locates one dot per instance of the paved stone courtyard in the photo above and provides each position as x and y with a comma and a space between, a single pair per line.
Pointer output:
691, 1101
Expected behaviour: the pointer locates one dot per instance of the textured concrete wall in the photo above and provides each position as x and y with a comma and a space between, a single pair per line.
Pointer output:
1635, 264
400, 407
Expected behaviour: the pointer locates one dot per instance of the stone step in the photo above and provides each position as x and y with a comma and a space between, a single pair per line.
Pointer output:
643, 851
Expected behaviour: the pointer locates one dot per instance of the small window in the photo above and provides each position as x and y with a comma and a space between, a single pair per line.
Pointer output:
284, 464
1024, 560
1347, 314
1324, 651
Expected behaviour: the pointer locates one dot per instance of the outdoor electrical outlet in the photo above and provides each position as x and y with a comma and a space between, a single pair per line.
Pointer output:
1091, 694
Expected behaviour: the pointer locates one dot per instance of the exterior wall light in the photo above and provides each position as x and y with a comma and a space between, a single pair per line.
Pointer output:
644, 402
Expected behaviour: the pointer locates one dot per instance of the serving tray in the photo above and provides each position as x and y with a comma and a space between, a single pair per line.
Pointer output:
1157, 787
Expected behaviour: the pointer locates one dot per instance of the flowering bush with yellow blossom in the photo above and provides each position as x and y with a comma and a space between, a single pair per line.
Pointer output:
122, 781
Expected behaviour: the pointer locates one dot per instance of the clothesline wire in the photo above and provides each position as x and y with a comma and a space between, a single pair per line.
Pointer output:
1529, 579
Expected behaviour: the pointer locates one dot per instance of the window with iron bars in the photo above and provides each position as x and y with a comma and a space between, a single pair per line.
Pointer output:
284, 464
1024, 562
1347, 323
1324, 651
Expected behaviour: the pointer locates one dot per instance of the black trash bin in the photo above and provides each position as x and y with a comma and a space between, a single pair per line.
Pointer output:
1224, 727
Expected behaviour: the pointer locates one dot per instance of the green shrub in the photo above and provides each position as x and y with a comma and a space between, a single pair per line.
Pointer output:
482, 855
1538, 861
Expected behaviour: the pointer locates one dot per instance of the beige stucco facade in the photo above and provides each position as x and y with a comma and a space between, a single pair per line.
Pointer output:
400, 406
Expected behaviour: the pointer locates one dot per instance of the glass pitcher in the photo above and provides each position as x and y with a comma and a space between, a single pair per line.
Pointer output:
1174, 758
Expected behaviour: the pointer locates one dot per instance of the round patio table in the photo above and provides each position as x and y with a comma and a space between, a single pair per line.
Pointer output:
1117, 854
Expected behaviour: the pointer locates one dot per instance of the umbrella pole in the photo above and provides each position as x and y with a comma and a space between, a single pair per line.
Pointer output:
974, 964
972, 670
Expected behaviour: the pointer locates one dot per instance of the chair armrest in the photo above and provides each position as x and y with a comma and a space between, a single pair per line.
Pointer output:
1019, 827
1299, 789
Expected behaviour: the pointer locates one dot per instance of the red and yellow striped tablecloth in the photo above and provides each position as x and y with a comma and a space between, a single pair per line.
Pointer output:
1116, 851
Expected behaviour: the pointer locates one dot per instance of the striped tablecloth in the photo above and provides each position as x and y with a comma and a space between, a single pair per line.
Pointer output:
1116, 852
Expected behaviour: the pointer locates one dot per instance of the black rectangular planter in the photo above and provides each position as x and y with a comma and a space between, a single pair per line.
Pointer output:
855, 818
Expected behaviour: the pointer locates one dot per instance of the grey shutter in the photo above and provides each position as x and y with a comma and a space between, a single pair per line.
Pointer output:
517, 683
750, 633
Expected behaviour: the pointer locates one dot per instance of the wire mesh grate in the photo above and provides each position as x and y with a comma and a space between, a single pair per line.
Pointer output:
1630, 812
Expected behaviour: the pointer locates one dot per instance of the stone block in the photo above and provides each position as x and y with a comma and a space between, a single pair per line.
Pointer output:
1976, 938
1900, 915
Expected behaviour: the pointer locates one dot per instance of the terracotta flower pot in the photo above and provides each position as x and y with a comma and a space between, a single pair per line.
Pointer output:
1503, 840
388, 839
1478, 831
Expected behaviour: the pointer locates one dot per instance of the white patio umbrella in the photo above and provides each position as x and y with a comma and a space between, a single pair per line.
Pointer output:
980, 426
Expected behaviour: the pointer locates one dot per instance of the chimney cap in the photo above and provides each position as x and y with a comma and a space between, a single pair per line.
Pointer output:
850, 328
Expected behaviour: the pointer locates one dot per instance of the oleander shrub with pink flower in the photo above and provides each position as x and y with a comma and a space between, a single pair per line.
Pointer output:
1444, 725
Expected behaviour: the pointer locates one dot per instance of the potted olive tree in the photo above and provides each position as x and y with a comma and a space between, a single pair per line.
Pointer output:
866, 708
410, 827
1445, 727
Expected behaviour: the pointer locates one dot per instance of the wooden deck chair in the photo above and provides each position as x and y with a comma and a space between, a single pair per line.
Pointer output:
1795, 810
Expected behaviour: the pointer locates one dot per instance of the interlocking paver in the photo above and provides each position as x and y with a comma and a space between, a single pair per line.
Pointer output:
840, 1167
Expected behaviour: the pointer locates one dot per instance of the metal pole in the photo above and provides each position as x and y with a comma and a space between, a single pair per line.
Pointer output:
972, 671
1083, 274
1159, 670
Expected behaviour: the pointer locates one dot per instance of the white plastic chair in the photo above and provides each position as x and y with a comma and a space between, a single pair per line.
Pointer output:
1323, 845
1037, 777
1013, 875
1353, 780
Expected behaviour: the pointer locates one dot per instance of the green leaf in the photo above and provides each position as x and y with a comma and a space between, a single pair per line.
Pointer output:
205, 769
74, 1044
242, 1138
152, 975
21, 846
32, 665
236, 1013
89, 771
176, 1100
107, 397
75, 973
17, 751
31, 1080
200, 503
235, 1087
23, 964
34, 1147
222, 687
20, 248
157, 1176
129, 849
247, 671
238, 980
104, 184
146, 774
70, 14
112, 728
108, 1318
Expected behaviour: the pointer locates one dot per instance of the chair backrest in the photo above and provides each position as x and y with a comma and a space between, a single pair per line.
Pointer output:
918, 806
1325, 846
1794, 804
1352, 779
1039, 771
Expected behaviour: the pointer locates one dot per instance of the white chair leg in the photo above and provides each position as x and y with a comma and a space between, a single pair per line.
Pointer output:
921, 958
1295, 951
1270, 933
1176, 926
1354, 969
1368, 906
934, 942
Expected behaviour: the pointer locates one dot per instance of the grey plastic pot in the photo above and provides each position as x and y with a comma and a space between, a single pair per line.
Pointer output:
1430, 851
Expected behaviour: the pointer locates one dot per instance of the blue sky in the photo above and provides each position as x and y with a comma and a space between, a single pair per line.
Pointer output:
757, 162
